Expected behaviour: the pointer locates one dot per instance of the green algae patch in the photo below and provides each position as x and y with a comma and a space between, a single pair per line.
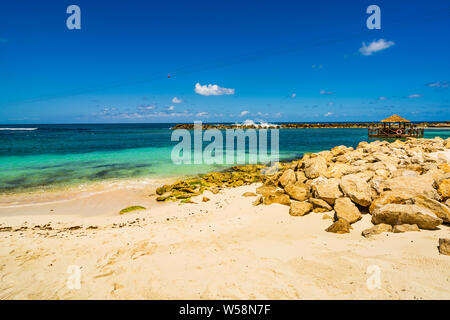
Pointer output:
132, 208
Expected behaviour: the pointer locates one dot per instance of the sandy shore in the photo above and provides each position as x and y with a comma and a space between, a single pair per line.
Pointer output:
222, 249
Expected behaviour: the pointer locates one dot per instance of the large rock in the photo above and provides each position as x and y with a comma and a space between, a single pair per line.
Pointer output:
296, 192
300, 208
444, 246
337, 170
405, 228
315, 167
395, 214
320, 205
407, 197
439, 209
288, 177
444, 189
340, 226
300, 175
347, 210
340, 150
377, 229
326, 189
277, 197
417, 185
357, 188
265, 190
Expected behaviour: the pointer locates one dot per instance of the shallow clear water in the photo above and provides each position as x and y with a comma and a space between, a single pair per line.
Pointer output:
59, 155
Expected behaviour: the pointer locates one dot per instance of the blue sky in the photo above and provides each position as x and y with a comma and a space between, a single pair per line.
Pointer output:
265, 61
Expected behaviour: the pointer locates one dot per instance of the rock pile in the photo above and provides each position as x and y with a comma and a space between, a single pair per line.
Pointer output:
405, 186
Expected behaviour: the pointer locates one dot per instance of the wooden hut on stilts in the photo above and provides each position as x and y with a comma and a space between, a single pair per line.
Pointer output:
395, 127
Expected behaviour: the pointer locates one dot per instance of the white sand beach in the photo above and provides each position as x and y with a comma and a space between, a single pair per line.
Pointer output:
222, 249
225, 248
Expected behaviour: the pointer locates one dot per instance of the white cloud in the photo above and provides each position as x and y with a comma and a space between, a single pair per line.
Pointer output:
325, 92
415, 95
293, 95
202, 114
439, 84
146, 108
212, 90
176, 100
375, 46
328, 114
243, 113
170, 108
382, 98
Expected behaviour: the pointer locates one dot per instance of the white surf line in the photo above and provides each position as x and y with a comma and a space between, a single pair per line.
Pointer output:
18, 129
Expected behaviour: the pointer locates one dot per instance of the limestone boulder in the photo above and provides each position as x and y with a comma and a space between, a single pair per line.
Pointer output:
395, 214
340, 150
357, 188
444, 189
320, 205
297, 192
439, 209
300, 208
405, 228
347, 210
337, 170
376, 229
404, 197
315, 167
444, 246
288, 177
277, 197
266, 189
300, 176
340, 226
418, 185
326, 189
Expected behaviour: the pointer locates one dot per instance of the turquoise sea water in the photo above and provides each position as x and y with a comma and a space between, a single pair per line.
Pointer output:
45, 156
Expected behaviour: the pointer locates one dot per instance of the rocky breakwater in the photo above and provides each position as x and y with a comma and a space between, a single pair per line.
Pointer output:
317, 125
404, 186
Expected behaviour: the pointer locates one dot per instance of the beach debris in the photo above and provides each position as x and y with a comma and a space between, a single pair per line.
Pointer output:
376, 229
205, 199
130, 209
400, 228
340, 226
444, 246
300, 208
